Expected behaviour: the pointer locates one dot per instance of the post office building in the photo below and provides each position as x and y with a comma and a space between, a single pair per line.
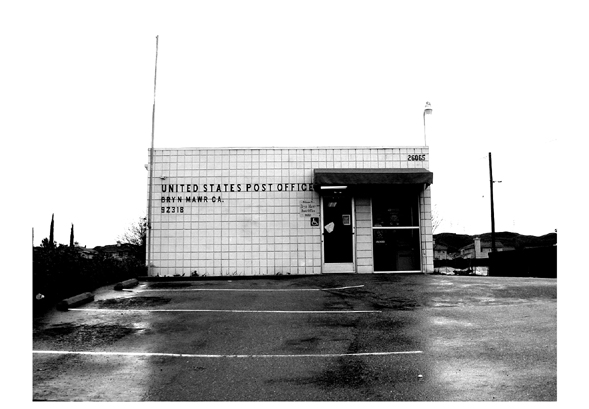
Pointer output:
271, 211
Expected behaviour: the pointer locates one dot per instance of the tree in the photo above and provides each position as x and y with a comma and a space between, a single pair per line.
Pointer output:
136, 236
436, 219
51, 240
72, 236
49, 243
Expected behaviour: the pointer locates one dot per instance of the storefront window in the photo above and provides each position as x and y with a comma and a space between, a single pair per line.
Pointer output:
396, 249
396, 239
395, 212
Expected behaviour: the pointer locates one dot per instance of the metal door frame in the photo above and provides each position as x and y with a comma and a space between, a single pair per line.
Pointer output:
419, 233
339, 267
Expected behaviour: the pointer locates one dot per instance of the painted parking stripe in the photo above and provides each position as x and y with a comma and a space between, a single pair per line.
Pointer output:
242, 289
232, 311
227, 356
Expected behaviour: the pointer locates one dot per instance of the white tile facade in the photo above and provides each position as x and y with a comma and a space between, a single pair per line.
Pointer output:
233, 211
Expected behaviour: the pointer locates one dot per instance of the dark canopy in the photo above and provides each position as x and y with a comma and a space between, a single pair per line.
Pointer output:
364, 177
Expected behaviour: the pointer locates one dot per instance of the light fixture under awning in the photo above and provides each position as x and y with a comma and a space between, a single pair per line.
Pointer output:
366, 177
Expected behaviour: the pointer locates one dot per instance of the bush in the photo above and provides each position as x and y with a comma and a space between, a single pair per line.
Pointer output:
61, 272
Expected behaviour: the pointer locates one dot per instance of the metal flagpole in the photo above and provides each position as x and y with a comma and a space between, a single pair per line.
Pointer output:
149, 204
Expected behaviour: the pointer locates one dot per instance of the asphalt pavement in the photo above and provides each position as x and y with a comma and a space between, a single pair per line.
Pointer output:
316, 338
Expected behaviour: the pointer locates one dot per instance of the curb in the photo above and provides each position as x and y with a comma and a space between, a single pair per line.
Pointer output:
126, 284
260, 277
75, 301
221, 278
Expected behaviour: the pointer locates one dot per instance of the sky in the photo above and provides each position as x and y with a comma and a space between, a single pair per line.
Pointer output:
505, 77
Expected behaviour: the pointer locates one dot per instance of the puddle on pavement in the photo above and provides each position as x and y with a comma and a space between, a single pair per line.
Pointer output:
336, 304
442, 303
302, 345
347, 373
132, 302
141, 327
450, 322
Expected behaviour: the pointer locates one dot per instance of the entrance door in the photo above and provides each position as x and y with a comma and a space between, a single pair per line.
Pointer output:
338, 234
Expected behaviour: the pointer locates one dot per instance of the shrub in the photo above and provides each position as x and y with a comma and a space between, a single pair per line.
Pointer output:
61, 272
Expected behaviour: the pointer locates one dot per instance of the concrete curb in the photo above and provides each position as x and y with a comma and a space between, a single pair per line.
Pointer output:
75, 301
257, 277
221, 278
126, 284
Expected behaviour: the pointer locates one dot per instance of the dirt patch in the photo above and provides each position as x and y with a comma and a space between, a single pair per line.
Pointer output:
81, 337
132, 302
169, 285
378, 301
403, 304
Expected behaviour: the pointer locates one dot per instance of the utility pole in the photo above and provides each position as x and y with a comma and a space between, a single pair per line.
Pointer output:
493, 247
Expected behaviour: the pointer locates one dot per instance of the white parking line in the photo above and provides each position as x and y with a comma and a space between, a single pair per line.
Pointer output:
229, 311
242, 289
228, 356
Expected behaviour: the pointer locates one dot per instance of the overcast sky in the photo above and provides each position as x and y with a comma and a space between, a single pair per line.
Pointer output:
502, 77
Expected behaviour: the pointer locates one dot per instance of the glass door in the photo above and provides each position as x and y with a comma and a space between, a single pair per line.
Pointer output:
338, 234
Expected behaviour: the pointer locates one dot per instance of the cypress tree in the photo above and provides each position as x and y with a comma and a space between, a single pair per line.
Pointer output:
72, 236
51, 232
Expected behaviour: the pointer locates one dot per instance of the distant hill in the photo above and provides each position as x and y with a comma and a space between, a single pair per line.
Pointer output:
455, 241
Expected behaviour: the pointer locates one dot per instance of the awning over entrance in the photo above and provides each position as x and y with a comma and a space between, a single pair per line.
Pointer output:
364, 177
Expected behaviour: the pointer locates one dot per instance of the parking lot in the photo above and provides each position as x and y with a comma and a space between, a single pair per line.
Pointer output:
316, 338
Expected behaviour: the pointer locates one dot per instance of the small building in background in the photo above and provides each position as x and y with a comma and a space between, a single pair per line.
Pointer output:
119, 251
440, 252
481, 248
87, 253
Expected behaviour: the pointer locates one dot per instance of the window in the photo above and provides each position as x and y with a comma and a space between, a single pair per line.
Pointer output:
395, 211
395, 230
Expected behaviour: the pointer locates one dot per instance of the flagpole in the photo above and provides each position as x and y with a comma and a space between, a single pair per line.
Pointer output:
149, 204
